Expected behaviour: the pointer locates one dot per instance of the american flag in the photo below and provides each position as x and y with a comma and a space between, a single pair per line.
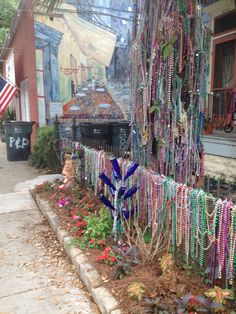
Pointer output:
7, 92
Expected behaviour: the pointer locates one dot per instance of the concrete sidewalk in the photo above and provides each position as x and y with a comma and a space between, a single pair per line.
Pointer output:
36, 276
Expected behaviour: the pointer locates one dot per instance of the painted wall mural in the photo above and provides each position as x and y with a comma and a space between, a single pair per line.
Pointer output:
82, 65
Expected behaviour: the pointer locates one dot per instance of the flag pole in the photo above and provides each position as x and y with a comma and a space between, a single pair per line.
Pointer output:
5, 79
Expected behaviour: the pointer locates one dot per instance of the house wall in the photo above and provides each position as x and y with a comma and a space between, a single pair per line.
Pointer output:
216, 9
220, 152
25, 67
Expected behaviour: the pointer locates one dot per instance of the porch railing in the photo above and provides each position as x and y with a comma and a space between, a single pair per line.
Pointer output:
221, 109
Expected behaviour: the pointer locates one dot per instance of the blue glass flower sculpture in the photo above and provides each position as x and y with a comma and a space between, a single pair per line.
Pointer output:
119, 194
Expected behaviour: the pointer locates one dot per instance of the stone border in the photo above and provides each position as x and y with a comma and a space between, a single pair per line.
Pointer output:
104, 299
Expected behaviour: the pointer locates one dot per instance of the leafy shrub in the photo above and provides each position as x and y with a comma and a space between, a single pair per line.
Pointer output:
44, 155
99, 227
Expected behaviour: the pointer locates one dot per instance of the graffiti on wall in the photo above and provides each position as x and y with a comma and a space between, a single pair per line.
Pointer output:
83, 64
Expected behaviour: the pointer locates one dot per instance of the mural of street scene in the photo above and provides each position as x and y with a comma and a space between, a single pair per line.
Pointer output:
82, 63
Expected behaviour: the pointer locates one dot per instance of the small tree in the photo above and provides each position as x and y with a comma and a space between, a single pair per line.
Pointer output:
8, 10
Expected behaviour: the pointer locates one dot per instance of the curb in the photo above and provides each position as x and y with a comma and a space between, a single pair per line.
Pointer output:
102, 296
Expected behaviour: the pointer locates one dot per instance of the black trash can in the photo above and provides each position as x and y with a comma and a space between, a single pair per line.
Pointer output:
18, 140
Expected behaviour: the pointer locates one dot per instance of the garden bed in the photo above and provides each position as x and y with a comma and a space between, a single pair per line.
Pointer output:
76, 208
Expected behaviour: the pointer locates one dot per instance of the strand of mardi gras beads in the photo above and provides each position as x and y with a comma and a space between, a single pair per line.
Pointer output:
221, 238
187, 224
217, 209
203, 225
192, 221
179, 215
232, 245
193, 204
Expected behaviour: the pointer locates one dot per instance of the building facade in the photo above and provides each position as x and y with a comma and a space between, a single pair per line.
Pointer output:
220, 129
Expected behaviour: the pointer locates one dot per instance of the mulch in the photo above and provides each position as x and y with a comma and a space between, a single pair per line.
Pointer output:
168, 288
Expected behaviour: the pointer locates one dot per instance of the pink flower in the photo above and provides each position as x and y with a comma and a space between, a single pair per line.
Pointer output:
75, 217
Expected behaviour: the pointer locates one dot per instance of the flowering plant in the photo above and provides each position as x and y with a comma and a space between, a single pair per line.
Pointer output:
63, 201
195, 304
107, 257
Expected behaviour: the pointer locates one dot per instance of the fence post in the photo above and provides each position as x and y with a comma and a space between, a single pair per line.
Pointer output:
208, 184
218, 188
74, 130
56, 127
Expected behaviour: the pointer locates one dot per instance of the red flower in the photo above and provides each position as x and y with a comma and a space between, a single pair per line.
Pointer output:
78, 224
107, 249
80, 232
104, 257
100, 243
92, 241
53, 196
88, 205
41, 185
83, 223
113, 259
98, 258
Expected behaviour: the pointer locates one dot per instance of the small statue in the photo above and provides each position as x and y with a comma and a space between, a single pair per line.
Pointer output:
69, 170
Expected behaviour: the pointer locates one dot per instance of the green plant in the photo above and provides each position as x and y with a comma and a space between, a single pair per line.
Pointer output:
99, 227
155, 306
8, 10
121, 270
127, 254
136, 291
204, 273
9, 115
220, 295
44, 155
190, 303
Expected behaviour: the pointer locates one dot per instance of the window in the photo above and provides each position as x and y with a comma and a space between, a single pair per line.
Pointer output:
40, 88
224, 64
24, 97
225, 23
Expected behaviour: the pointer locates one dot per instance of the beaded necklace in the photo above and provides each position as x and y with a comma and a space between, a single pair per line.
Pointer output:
183, 214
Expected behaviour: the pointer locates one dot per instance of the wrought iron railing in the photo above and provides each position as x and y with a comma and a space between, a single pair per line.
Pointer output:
221, 109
